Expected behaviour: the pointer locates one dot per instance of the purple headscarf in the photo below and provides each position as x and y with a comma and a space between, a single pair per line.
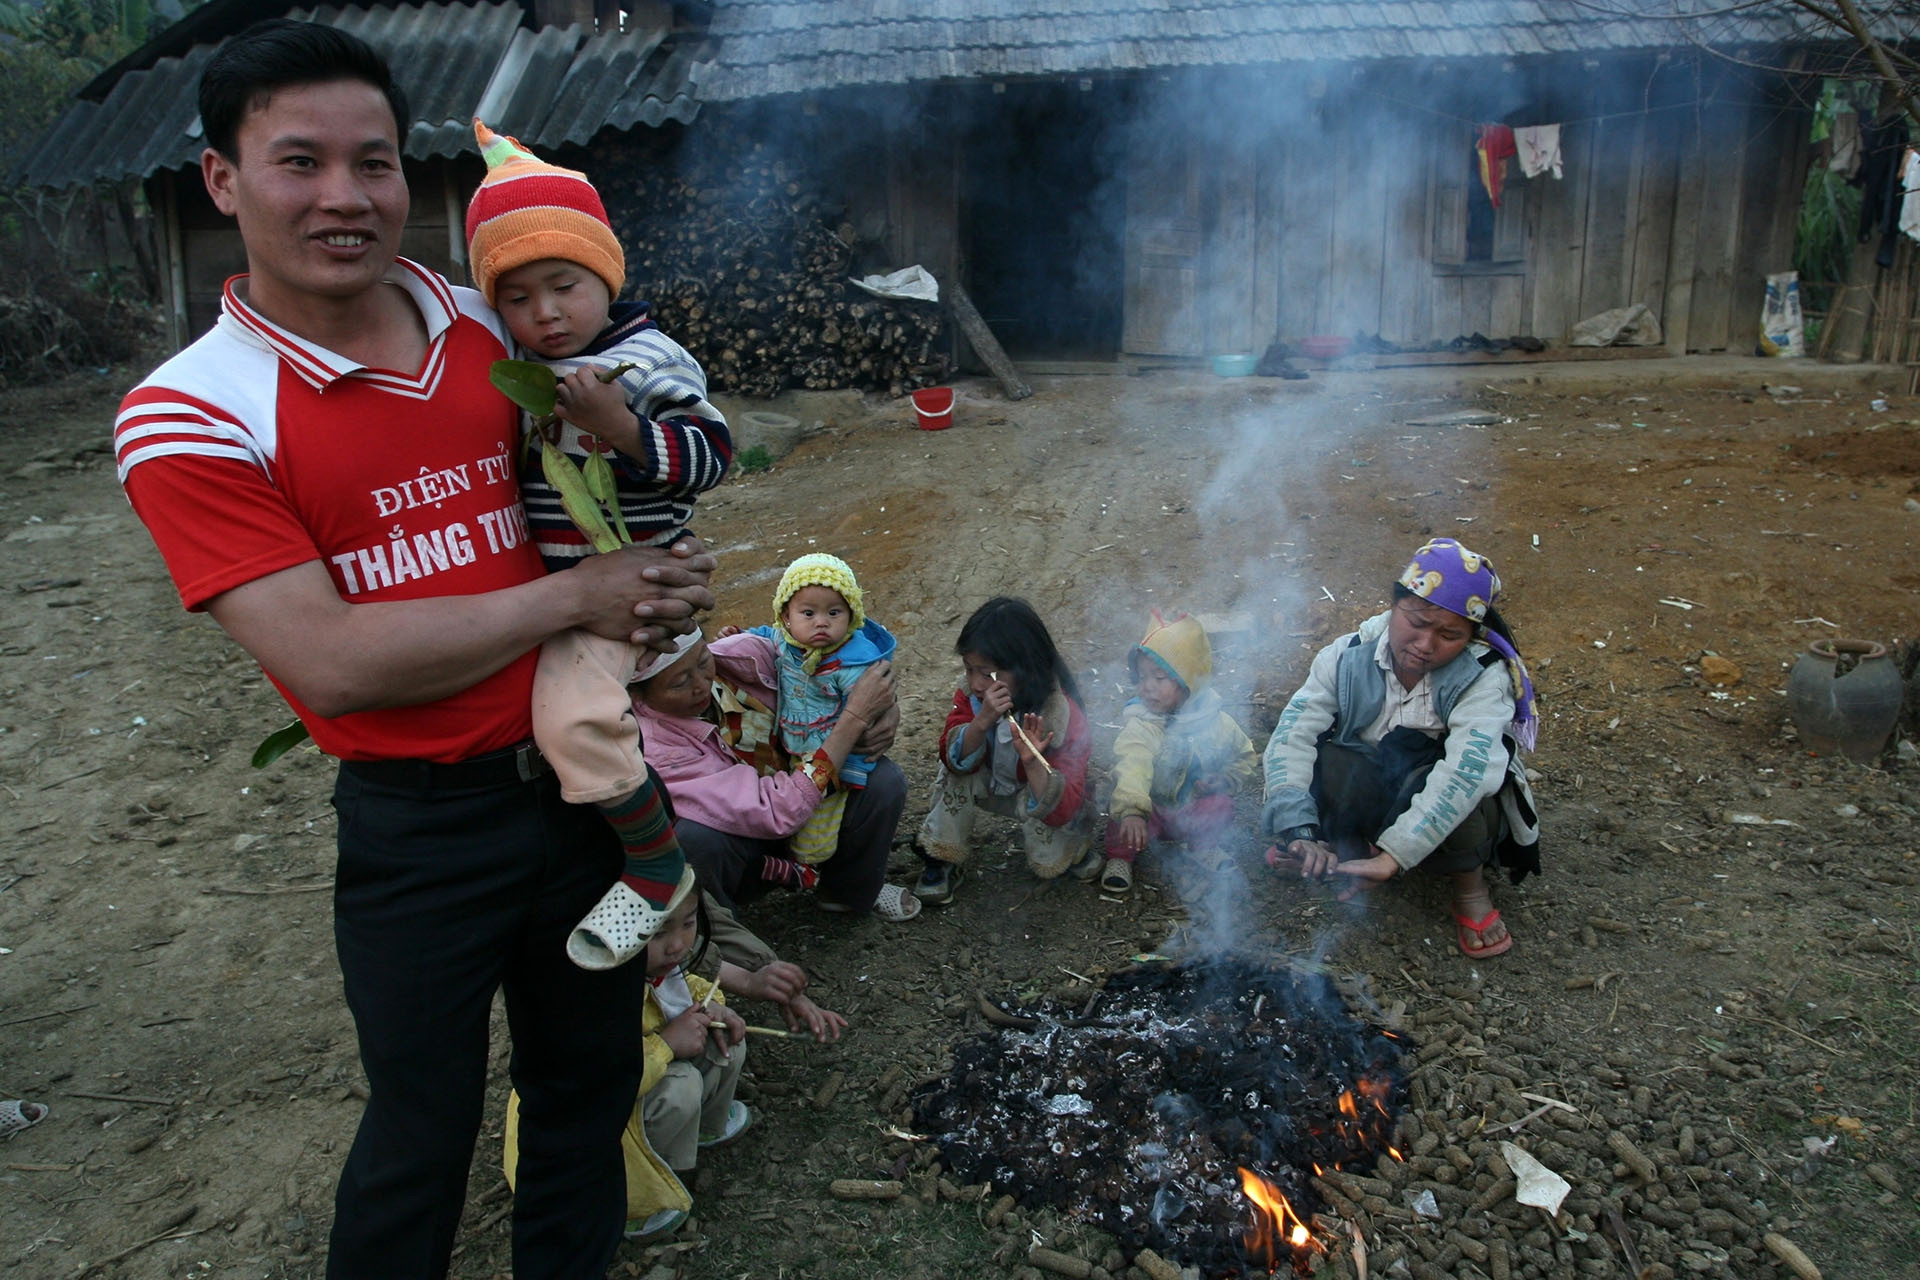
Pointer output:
1460, 581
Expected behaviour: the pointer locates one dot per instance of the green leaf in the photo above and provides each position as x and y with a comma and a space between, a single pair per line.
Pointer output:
278, 743
528, 384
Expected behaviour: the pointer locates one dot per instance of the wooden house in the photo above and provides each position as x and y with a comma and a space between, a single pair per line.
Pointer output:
1154, 177
1183, 179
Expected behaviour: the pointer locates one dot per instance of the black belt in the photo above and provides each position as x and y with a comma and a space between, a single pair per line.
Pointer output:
506, 767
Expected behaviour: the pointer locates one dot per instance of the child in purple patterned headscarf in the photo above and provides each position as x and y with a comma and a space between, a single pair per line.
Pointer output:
1402, 748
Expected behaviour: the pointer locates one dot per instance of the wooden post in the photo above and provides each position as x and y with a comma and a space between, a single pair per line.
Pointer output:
174, 245
974, 325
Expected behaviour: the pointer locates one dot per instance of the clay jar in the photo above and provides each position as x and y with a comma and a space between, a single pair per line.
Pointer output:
1844, 696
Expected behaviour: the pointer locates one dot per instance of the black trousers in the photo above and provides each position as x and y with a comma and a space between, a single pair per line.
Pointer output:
729, 865
442, 898
1360, 791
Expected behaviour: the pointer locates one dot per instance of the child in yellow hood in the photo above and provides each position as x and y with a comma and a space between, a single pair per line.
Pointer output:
1179, 758
692, 1051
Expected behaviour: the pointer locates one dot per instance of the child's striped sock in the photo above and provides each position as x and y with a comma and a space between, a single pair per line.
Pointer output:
794, 875
654, 860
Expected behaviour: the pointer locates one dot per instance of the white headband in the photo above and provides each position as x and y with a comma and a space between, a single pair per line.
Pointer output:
661, 661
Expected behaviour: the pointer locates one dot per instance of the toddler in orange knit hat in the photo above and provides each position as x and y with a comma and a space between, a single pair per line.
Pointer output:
545, 256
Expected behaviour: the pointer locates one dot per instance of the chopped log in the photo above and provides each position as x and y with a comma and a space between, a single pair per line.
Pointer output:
1156, 1267
1789, 1252
863, 1189
974, 325
1061, 1264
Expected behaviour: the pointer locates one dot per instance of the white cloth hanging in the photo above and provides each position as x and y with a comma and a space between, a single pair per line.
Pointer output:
1538, 147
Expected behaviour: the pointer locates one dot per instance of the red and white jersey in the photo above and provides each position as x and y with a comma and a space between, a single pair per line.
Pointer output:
254, 450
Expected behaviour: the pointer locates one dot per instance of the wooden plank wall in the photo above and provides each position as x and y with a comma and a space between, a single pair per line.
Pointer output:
1680, 194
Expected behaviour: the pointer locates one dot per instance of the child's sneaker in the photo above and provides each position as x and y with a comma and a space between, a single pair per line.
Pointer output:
739, 1120
1117, 878
659, 1226
1089, 865
936, 883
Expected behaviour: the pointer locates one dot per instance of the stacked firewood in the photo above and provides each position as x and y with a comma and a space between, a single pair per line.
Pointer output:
747, 266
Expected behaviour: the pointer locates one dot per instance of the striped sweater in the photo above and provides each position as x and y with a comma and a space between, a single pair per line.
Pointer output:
686, 448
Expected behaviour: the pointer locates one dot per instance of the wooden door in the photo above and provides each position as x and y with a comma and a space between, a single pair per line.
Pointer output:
1163, 248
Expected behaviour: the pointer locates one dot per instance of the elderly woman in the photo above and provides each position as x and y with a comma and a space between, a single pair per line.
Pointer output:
1401, 750
708, 718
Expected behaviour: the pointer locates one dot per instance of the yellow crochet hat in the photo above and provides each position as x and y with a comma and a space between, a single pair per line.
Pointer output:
821, 570
1179, 647
527, 210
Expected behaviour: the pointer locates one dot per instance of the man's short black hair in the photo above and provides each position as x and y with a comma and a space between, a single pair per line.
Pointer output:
279, 53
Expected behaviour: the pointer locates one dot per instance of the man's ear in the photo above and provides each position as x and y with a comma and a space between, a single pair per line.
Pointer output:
219, 173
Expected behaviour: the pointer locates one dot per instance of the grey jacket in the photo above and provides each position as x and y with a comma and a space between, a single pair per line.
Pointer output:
1343, 695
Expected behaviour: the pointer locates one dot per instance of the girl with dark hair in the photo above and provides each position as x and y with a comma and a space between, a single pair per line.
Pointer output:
1016, 743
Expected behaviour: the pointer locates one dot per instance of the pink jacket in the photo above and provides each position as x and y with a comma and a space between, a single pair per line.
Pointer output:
708, 783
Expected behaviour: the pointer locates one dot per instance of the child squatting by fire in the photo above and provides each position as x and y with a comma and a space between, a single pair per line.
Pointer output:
1016, 743
1179, 759
693, 1048
544, 255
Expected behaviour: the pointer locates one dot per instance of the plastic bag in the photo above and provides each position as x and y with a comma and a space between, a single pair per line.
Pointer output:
1634, 326
1782, 330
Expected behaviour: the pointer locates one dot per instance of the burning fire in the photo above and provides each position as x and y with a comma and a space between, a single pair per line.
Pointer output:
1364, 1120
1278, 1236
1277, 1232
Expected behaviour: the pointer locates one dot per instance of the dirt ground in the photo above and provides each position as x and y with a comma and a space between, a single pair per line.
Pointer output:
1718, 967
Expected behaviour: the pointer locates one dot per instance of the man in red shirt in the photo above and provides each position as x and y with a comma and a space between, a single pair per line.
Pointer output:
328, 473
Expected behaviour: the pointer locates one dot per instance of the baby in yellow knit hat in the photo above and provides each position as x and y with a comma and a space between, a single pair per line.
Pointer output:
826, 642
544, 254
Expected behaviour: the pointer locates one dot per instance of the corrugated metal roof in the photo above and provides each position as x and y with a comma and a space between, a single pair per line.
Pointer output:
548, 87
767, 47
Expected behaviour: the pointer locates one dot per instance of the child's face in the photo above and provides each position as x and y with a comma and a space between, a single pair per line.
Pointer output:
552, 307
817, 617
982, 675
668, 949
1159, 692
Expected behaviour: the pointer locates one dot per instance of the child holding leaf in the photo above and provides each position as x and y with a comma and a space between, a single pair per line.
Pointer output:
628, 442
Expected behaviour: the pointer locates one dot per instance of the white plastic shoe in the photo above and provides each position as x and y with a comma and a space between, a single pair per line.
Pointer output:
615, 931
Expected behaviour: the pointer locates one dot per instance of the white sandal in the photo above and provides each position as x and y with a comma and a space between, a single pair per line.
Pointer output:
616, 930
18, 1116
895, 904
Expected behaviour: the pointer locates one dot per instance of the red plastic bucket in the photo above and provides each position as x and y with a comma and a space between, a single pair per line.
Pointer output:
934, 405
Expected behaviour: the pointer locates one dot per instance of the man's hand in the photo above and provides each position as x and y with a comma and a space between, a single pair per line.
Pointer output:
664, 586
598, 408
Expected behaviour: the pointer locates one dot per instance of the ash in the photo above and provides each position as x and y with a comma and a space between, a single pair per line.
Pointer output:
1135, 1118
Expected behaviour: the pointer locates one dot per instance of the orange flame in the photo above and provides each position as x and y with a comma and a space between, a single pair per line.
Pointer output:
1274, 1221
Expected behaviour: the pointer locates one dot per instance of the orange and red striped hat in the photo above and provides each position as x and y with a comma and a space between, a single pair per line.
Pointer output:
527, 210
